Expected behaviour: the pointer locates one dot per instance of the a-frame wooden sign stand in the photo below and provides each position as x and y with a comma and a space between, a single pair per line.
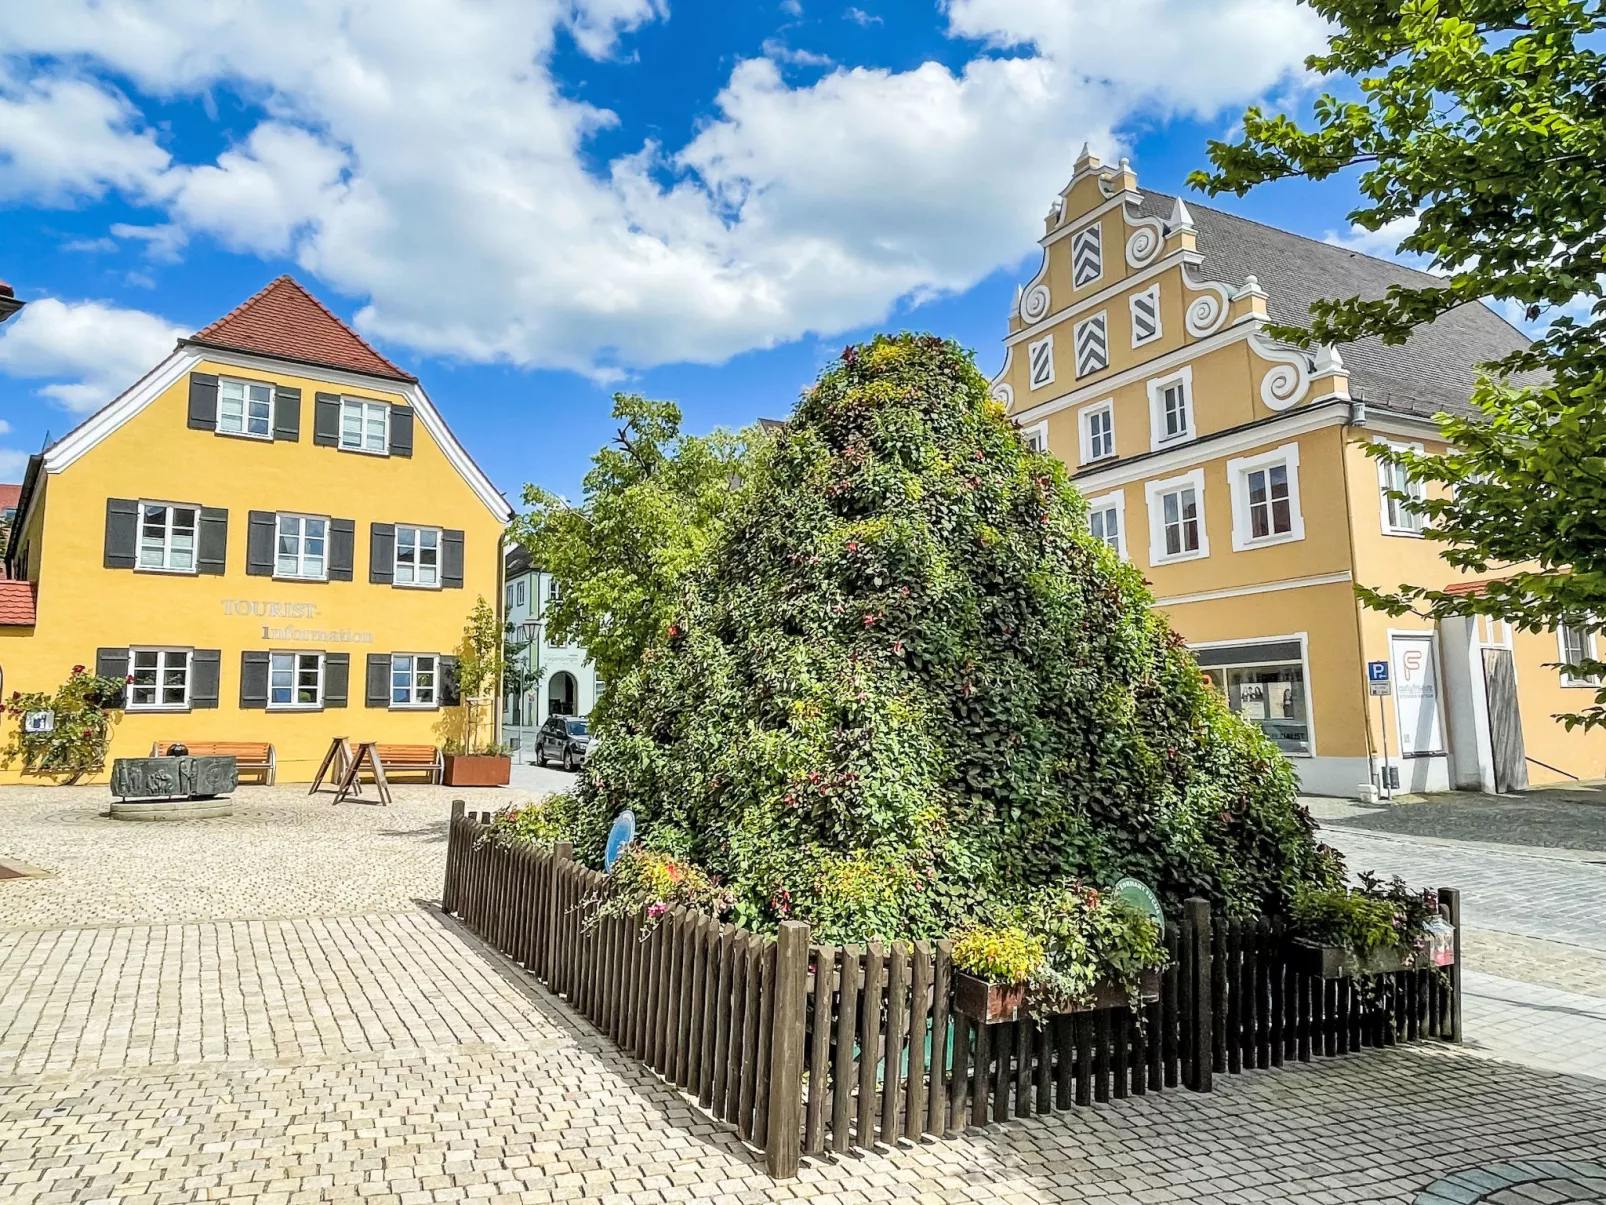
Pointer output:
333, 766
367, 751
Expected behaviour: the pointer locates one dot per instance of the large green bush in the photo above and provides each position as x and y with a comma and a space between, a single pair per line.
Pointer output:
904, 685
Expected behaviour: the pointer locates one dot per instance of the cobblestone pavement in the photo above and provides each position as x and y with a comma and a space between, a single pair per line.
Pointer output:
337, 1041
1570, 817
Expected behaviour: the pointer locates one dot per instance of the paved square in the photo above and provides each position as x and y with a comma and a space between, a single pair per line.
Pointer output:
258, 1009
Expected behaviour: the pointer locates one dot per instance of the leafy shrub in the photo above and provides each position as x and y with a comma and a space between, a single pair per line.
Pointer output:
902, 684
1365, 919
82, 732
1000, 954
542, 823
651, 882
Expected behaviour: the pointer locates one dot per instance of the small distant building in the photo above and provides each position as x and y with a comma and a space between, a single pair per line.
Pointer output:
564, 680
9, 303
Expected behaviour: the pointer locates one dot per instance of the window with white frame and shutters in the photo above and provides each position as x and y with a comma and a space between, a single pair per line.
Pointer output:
1145, 309
413, 679
1087, 256
1092, 345
302, 547
245, 408
364, 426
295, 680
160, 679
1398, 518
1576, 644
418, 556
167, 536
1040, 359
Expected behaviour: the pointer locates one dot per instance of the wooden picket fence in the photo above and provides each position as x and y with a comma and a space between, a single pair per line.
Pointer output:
808, 1049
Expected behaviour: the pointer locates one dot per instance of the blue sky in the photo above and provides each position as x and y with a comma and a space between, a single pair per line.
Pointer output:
532, 203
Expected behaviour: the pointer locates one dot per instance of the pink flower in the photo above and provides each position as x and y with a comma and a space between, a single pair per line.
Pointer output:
654, 911
77, 669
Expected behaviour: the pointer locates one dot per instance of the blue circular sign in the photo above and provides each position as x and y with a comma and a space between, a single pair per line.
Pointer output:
620, 835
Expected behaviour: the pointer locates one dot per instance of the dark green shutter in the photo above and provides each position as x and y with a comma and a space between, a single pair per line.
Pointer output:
342, 549
112, 663
446, 692
212, 555
336, 678
382, 553
253, 679
205, 671
259, 541
401, 431
378, 680
326, 420
287, 414
452, 559
203, 401
122, 532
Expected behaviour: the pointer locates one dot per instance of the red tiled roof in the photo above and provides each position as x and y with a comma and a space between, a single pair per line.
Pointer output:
10, 495
286, 321
16, 604
1477, 586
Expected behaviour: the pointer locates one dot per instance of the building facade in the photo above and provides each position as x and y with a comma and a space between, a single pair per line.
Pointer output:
564, 682
1231, 470
272, 536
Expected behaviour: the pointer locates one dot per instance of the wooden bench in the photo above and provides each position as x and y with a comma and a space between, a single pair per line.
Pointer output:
252, 757
411, 759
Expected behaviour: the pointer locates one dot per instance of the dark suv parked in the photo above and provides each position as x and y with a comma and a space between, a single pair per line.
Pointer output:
564, 737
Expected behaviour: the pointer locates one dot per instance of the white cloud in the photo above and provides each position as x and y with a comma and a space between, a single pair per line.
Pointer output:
12, 464
1383, 242
420, 154
778, 50
859, 17
89, 351
162, 243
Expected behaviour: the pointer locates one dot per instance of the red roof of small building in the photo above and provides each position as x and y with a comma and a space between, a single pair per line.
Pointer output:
1473, 587
16, 604
10, 495
289, 323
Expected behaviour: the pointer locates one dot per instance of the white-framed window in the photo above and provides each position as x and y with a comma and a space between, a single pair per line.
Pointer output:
521, 592
1265, 682
1397, 520
418, 556
1145, 309
413, 679
1092, 344
364, 425
1106, 519
1177, 518
301, 547
1171, 409
161, 679
1035, 437
295, 680
1576, 643
167, 536
1040, 360
1087, 256
1265, 498
510, 596
554, 592
1097, 423
244, 408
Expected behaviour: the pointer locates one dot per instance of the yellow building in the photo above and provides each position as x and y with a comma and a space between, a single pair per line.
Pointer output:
272, 536
1231, 470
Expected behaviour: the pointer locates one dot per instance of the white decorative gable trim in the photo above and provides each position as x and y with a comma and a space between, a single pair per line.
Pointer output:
88, 434
1287, 381
1207, 312
1034, 298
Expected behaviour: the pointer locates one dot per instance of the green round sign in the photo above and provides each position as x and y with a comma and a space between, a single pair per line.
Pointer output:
1141, 896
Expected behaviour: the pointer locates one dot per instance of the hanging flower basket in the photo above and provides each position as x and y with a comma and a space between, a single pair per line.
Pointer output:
993, 1003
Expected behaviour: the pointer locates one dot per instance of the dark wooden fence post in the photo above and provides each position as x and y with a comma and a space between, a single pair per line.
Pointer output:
783, 1143
562, 856
1196, 934
453, 856
1450, 899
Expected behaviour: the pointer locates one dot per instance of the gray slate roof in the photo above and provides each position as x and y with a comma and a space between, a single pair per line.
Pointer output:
1433, 371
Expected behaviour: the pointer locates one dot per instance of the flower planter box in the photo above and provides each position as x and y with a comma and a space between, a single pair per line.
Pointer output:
477, 770
1338, 962
992, 1003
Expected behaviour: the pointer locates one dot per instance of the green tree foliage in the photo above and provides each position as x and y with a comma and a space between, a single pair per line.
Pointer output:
1485, 122
480, 659
76, 745
904, 680
653, 501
